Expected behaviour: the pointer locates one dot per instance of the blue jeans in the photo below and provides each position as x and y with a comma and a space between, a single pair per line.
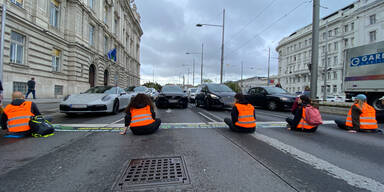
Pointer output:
30, 91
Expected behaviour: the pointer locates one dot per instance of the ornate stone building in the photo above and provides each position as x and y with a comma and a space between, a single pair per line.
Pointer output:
64, 45
356, 24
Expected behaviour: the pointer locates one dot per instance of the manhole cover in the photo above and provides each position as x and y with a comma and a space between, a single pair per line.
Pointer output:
152, 171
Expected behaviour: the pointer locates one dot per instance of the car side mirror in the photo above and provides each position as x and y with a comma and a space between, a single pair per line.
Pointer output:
122, 94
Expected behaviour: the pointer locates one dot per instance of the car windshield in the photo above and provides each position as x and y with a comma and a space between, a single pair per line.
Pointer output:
219, 88
171, 89
193, 90
140, 89
275, 90
100, 89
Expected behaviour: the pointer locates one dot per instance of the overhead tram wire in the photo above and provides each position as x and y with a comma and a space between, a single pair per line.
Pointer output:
268, 27
251, 21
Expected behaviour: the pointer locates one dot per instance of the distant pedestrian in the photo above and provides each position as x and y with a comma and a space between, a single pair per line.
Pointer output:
243, 116
361, 117
1, 96
31, 88
299, 122
140, 116
278, 85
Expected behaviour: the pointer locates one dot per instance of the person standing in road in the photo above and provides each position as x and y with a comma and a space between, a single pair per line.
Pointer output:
298, 122
243, 116
140, 116
278, 85
1, 96
31, 88
361, 117
17, 115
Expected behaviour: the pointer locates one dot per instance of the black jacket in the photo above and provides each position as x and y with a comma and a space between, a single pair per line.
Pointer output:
18, 102
235, 112
128, 116
31, 84
356, 112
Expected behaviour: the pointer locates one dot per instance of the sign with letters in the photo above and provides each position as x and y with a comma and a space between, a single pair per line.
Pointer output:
376, 58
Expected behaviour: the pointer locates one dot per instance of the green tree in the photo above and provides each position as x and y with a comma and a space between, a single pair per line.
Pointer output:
207, 81
234, 86
153, 85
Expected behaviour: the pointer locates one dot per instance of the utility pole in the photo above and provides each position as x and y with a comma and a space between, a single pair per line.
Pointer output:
222, 49
153, 73
4, 12
202, 56
269, 59
188, 77
241, 78
325, 71
315, 48
193, 72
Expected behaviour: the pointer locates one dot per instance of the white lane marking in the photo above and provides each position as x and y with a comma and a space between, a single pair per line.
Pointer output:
332, 170
168, 110
215, 116
117, 121
207, 117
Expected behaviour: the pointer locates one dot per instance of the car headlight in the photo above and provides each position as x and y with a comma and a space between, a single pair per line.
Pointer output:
66, 97
284, 99
213, 96
106, 98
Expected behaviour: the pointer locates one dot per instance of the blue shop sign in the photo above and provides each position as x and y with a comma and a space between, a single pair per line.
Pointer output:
367, 59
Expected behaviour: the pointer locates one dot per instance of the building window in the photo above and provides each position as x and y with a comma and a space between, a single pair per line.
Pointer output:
352, 26
17, 48
305, 42
345, 28
329, 47
54, 13
106, 44
18, 2
336, 46
335, 75
329, 61
328, 89
336, 31
58, 90
335, 60
56, 60
322, 89
91, 34
20, 86
116, 26
372, 36
329, 33
372, 19
345, 42
90, 4
335, 88
324, 35
329, 75
352, 41
105, 14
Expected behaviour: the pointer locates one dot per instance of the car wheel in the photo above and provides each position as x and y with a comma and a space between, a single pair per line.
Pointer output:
376, 103
207, 105
272, 105
197, 103
115, 109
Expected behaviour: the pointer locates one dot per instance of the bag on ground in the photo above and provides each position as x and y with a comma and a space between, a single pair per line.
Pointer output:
40, 127
313, 116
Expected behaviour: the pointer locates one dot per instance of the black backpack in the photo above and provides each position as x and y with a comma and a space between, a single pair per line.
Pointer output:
41, 127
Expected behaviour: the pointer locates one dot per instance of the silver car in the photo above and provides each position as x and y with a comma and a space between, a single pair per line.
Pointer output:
98, 99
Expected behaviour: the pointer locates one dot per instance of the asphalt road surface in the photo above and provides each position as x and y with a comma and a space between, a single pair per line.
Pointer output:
214, 159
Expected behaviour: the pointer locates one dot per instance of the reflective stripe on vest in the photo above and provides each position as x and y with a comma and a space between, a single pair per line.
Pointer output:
367, 117
18, 116
141, 117
303, 124
246, 117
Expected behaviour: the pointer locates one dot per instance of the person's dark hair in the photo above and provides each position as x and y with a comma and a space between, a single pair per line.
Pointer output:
240, 97
139, 101
305, 99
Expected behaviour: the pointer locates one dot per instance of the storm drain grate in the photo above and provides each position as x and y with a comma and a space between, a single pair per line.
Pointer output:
153, 171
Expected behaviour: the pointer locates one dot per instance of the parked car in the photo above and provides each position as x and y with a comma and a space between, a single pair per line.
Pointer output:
140, 89
171, 95
335, 99
95, 100
152, 92
215, 95
272, 98
191, 92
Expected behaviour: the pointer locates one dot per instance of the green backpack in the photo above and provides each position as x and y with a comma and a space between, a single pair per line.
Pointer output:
40, 127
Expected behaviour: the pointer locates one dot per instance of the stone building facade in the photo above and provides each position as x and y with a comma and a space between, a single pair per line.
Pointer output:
64, 45
357, 24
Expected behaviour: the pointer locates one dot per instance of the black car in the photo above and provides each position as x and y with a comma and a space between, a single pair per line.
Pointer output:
215, 95
171, 95
272, 98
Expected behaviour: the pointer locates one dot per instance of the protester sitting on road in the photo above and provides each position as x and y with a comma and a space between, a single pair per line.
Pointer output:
307, 92
243, 116
361, 117
17, 115
298, 123
140, 116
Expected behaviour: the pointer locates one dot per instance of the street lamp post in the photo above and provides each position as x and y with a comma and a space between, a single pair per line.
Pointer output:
222, 44
202, 63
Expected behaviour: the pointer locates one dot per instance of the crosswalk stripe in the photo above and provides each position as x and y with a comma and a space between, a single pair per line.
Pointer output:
332, 170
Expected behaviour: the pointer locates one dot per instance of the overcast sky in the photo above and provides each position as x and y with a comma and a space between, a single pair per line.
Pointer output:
251, 27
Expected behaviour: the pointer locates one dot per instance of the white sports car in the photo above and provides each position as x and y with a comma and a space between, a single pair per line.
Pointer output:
98, 99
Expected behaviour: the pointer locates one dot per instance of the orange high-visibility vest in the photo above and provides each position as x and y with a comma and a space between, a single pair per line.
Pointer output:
303, 124
141, 117
246, 117
19, 116
367, 117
